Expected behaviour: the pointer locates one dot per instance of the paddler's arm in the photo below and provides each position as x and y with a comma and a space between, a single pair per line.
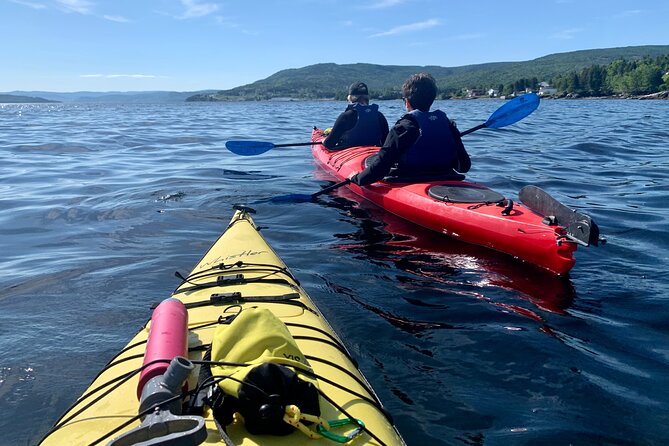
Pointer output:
402, 136
345, 122
383, 123
463, 162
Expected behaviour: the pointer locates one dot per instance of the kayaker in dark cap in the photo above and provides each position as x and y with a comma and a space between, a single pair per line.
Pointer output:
361, 124
422, 144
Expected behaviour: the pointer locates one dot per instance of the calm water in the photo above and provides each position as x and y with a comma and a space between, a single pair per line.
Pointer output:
101, 204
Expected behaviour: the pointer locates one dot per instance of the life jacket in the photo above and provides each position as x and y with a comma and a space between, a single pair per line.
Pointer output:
435, 149
260, 377
367, 130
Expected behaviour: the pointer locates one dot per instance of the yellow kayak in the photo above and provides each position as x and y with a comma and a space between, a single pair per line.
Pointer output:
239, 355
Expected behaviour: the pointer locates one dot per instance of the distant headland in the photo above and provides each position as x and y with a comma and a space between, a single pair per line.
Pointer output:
17, 99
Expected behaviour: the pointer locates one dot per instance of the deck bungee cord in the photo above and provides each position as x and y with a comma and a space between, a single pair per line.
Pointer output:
110, 386
241, 266
113, 384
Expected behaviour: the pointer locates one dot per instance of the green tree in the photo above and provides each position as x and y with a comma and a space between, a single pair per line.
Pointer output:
573, 83
509, 89
644, 79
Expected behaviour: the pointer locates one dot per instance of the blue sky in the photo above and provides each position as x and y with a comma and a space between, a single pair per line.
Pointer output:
188, 45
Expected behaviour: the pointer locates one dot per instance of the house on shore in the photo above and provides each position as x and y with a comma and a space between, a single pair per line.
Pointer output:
546, 90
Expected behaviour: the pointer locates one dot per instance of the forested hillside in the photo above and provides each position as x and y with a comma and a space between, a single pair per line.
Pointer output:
628, 70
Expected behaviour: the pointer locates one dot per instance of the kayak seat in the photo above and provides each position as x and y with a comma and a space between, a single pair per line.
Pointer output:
464, 193
394, 176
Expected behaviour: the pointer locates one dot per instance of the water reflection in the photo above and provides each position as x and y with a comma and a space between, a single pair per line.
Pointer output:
431, 259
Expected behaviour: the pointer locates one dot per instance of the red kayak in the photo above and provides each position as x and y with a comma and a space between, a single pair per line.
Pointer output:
541, 231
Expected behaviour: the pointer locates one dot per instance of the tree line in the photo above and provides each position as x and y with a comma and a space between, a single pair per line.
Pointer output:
620, 77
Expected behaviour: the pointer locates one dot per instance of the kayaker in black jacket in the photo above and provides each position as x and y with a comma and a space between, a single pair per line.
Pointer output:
361, 124
422, 144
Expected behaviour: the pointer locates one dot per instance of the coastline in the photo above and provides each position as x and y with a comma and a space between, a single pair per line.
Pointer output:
661, 95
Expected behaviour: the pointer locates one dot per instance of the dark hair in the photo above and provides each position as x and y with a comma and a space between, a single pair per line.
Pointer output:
358, 93
421, 90
358, 89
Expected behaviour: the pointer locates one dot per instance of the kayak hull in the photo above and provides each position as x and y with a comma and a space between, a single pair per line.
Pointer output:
522, 234
238, 266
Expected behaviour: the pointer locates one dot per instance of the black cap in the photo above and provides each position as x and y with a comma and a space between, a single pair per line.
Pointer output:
357, 89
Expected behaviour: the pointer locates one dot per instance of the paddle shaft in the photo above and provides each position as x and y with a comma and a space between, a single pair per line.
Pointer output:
297, 144
473, 129
325, 190
509, 113
466, 132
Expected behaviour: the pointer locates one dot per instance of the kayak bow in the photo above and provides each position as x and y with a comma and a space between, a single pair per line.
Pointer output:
239, 281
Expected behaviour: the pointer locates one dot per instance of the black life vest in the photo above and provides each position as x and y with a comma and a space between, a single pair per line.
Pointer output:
367, 130
435, 149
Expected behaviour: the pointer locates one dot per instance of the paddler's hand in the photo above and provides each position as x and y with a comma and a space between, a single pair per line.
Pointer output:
353, 178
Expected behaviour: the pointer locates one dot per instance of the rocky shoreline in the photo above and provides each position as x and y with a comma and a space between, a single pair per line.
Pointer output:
658, 95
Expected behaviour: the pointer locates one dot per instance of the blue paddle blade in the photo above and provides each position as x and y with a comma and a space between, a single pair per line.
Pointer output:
513, 111
248, 148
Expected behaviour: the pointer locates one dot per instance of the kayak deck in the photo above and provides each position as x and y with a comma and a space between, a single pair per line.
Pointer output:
240, 271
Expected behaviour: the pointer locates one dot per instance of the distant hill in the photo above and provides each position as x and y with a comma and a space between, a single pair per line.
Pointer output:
331, 80
15, 99
156, 97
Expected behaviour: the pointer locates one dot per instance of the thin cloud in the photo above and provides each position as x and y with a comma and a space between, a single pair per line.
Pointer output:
566, 34
116, 18
79, 6
115, 76
403, 29
30, 4
383, 4
83, 7
628, 13
227, 23
196, 9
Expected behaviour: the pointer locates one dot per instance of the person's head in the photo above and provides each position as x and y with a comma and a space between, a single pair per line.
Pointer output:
420, 90
358, 92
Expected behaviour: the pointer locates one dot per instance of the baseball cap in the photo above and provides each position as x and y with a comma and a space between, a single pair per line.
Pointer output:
357, 89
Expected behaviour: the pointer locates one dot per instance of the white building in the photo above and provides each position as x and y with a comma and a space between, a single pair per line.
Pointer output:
545, 89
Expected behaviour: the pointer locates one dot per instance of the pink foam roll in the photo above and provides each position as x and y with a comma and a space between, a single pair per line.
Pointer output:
168, 337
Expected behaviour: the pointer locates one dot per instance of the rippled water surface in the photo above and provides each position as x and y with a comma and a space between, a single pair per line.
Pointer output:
101, 204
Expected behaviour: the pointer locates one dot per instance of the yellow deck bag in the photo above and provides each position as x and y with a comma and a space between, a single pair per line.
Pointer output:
261, 375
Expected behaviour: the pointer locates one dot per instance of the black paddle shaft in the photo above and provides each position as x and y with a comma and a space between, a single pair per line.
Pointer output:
325, 190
